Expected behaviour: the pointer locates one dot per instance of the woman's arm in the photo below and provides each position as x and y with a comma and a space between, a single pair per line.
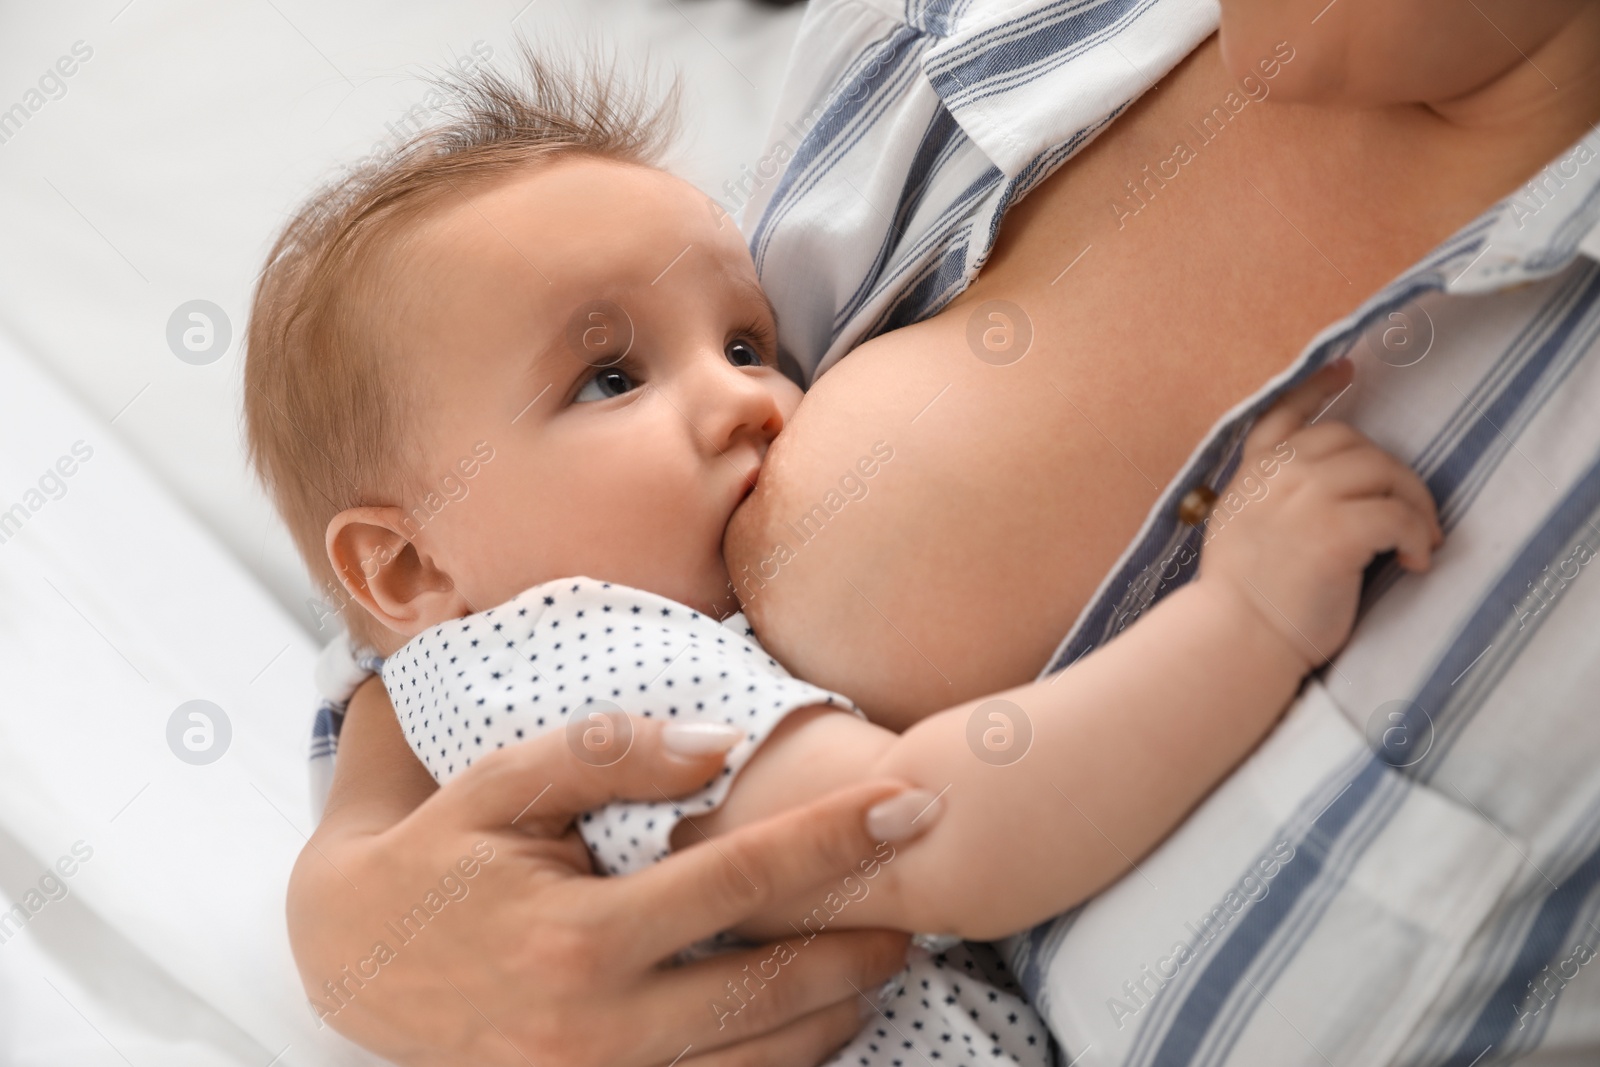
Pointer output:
1127, 741
529, 957
377, 778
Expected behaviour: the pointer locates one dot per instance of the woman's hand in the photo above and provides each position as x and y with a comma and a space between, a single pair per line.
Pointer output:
530, 958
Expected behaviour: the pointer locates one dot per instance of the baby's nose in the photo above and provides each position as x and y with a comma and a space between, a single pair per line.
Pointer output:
745, 409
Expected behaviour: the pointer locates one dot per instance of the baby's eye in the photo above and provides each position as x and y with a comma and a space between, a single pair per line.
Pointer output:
604, 386
743, 354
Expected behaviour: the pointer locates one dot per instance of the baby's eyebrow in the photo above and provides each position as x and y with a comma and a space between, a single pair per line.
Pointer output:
563, 339
755, 290
559, 343
549, 353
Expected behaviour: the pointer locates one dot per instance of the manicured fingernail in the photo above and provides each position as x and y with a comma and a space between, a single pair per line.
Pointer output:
694, 739
904, 815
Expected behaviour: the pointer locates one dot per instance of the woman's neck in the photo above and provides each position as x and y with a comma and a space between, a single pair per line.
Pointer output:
1540, 103
1420, 171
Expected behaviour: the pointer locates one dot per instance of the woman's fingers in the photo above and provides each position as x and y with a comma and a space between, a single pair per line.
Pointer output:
759, 992
1299, 406
717, 884
805, 1042
540, 785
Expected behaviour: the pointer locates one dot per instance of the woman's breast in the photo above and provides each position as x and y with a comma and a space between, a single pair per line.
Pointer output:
1006, 482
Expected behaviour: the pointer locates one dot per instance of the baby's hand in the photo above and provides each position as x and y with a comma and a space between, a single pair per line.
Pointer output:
1296, 549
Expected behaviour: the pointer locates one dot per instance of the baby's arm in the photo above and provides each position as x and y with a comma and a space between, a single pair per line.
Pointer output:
1131, 738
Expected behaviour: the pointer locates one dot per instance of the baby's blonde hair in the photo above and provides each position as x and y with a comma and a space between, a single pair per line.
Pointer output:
324, 422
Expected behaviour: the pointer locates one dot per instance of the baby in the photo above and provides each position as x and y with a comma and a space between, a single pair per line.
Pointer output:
508, 387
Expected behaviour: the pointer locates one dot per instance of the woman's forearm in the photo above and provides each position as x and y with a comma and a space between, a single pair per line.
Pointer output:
377, 782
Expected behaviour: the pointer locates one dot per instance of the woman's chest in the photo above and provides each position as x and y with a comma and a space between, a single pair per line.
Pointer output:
1189, 253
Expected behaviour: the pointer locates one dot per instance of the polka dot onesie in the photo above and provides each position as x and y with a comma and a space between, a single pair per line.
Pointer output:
561, 652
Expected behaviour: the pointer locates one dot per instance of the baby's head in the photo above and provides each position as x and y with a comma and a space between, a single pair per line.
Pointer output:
514, 351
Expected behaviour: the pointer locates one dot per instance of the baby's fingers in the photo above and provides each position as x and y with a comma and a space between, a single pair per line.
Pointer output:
1379, 524
1370, 471
1299, 406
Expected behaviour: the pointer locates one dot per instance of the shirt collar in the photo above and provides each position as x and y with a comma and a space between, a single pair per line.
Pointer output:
1023, 79
1590, 244
1541, 228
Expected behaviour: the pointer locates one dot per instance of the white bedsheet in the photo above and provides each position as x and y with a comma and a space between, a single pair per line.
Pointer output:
156, 176
115, 608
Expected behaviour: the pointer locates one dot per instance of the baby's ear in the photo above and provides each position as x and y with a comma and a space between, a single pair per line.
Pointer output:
384, 571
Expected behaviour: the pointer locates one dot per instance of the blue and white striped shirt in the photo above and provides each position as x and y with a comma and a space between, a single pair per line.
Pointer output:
1406, 871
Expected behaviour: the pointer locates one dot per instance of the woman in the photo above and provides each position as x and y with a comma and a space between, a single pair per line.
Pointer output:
1154, 305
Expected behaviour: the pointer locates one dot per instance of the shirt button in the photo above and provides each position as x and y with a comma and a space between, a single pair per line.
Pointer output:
1196, 505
